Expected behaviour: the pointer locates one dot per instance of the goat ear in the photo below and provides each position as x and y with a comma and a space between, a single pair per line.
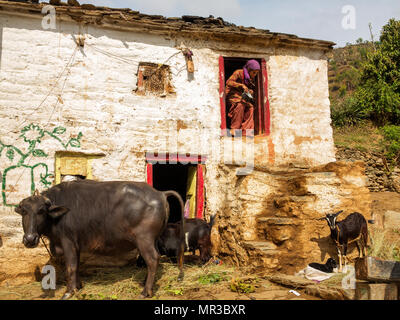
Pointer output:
56, 212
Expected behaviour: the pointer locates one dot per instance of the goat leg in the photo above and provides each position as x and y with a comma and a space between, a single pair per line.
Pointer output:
359, 248
345, 253
364, 244
340, 259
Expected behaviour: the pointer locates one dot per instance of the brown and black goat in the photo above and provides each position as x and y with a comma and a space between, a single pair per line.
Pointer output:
352, 229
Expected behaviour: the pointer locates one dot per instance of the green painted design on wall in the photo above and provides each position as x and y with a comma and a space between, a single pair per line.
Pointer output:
32, 135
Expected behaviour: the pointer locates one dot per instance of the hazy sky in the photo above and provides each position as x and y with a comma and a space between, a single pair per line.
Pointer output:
318, 19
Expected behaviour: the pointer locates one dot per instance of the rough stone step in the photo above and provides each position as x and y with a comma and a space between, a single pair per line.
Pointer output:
376, 291
303, 198
267, 247
278, 220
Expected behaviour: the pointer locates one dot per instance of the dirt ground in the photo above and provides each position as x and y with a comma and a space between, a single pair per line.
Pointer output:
384, 201
210, 282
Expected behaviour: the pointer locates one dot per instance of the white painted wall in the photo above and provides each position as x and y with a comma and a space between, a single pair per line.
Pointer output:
95, 96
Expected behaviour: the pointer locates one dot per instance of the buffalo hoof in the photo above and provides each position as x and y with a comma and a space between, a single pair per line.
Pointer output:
67, 295
145, 294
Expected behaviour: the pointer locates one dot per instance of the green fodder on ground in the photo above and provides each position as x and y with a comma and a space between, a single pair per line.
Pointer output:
385, 244
126, 283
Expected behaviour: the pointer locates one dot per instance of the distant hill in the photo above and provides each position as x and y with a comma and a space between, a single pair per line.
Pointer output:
343, 72
343, 75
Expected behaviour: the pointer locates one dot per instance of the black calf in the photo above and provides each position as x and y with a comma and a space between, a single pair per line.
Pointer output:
327, 267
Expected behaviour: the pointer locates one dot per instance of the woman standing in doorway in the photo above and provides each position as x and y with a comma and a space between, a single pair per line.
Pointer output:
239, 91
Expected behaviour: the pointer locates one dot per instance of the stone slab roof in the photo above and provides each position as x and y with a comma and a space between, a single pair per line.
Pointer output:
193, 26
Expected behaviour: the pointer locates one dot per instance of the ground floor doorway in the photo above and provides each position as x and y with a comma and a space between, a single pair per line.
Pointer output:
182, 174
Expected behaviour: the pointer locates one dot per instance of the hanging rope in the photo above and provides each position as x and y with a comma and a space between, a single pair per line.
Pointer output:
50, 92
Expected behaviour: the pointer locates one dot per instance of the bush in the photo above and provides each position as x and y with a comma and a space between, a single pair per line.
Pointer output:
379, 91
391, 135
347, 113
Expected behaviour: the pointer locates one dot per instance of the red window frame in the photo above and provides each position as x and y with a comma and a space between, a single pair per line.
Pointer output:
175, 158
264, 121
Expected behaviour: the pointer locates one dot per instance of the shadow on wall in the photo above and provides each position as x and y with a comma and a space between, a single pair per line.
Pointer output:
325, 247
328, 248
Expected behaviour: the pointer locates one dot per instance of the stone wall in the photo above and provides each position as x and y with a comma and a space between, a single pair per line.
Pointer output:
57, 96
380, 176
269, 218
92, 107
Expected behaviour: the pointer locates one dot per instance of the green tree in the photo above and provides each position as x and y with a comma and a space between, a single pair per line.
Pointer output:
379, 92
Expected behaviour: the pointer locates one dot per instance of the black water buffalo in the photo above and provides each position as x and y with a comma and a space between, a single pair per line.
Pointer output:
99, 217
197, 236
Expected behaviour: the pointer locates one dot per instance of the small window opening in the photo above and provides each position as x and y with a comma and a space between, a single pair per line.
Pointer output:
68, 177
71, 166
154, 79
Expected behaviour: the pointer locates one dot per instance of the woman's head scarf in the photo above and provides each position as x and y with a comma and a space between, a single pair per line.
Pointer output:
250, 65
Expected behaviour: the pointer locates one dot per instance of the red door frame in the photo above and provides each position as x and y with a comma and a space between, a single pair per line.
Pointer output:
267, 119
174, 158
264, 115
222, 95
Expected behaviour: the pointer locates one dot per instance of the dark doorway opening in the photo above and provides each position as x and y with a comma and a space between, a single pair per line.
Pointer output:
172, 177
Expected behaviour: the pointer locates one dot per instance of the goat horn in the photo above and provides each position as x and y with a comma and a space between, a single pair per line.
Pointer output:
339, 212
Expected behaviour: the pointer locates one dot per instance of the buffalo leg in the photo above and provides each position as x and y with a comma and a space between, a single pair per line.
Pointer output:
181, 252
151, 257
71, 256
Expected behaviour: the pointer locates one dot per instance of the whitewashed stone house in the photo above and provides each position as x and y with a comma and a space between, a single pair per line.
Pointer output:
108, 94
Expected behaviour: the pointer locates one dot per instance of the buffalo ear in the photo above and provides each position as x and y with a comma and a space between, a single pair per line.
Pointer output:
18, 210
56, 211
47, 201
